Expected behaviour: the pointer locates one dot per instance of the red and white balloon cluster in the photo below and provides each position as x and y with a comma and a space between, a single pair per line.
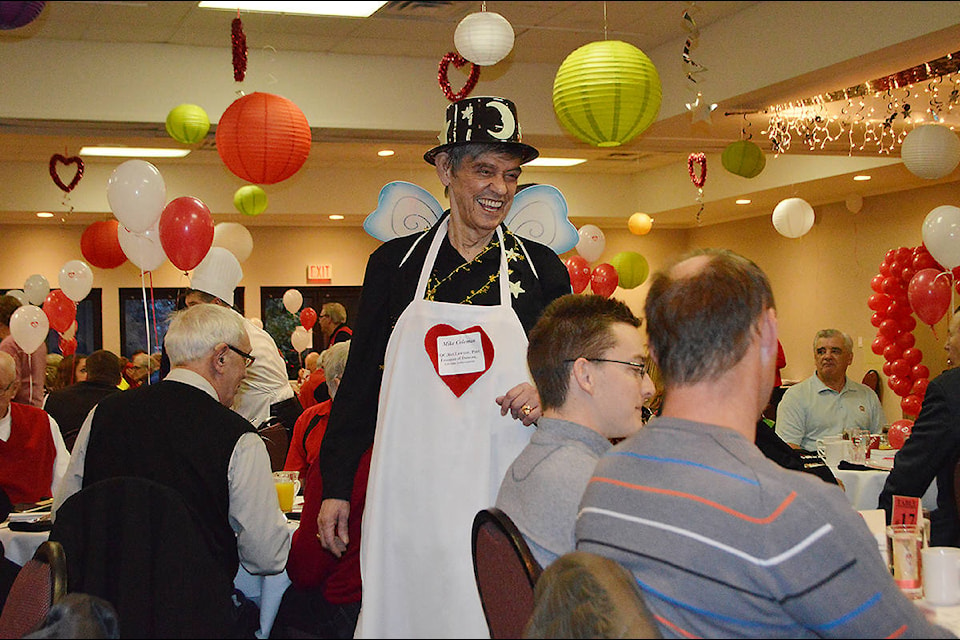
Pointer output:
301, 338
42, 309
627, 269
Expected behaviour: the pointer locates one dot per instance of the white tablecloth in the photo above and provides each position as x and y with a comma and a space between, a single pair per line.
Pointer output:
266, 591
863, 488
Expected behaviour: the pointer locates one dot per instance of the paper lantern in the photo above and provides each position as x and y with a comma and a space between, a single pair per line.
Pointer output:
188, 123
930, 151
14, 15
743, 158
793, 217
854, 202
263, 138
484, 38
632, 269
250, 200
100, 245
640, 224
607, 93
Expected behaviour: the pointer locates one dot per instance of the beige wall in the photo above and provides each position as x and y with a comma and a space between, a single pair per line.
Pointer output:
820, 280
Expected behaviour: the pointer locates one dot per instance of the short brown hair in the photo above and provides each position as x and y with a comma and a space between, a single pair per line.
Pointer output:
103, 366
572, 326
8, 304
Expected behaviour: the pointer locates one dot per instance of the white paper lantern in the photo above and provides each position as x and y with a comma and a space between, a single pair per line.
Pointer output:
930, 151
484, 38
793, 217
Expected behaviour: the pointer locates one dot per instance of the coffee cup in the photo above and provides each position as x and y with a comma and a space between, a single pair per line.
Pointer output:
941, 575
832, 450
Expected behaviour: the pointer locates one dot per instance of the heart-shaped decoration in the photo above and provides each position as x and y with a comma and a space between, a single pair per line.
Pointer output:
57, 159
458, 382
458, 61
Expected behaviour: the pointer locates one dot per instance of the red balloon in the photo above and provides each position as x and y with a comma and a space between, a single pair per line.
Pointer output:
308, 317
908, 324
879, 343
905, 340
900, 367
919, 387
892, 285
68, 347
900, 386
890, 328
911, 406
920, 371
877, 318
877, 283
186, 232
879, 302
898, 310
913, 356
100, 245
604, 280
929, 295
899, 431
61, 311
579, 270
892, 352
887, 368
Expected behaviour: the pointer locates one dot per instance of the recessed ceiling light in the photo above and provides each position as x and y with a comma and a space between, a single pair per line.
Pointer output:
744, 201
133, 152
385, 153
336, 216
44, 214
555, 162
343, 9
861, 178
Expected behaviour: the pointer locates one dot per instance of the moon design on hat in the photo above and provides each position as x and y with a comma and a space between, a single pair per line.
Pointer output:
506, 116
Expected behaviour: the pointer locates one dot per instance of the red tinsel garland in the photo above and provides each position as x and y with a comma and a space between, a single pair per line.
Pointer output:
458, 61
700, 159
239, 40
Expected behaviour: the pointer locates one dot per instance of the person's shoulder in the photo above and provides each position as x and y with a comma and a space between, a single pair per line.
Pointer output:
948, 377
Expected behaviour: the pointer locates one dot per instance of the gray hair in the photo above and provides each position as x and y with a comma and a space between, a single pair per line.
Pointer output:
196, 330
834, 333
334, 360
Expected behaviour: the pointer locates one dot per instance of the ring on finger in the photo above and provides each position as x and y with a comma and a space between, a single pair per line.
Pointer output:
526, 410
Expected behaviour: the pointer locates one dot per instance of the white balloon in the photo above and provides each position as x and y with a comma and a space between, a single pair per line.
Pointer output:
301, 339
19, 295
235, 238
854, 203
292, 300
29, 327
137, 195
793, 217
142, 249
257, 322
76, 279
592, 242
36, 288
941, 235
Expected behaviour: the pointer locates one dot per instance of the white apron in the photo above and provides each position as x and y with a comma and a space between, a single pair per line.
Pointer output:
437, 460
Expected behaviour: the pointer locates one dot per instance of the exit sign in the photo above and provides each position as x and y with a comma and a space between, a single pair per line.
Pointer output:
319, 272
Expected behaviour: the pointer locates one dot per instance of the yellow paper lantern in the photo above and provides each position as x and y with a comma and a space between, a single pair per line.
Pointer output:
188, 123
743, 158
632, 268
640, 224
250, 200
607, 93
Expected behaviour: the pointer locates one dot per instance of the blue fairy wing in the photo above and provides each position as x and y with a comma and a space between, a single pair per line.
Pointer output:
402, 209
539, 213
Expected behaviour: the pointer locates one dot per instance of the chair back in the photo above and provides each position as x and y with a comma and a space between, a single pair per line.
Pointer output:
506, 572
872, 379
275, 436
40, 584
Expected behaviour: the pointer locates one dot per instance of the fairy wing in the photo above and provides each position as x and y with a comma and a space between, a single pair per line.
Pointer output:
402, 209
539, 213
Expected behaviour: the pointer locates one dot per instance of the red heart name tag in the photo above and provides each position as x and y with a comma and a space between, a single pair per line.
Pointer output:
458, 382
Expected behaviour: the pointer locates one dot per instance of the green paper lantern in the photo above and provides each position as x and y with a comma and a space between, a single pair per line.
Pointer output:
607, 93
250, 200
743, 158
632, 269
188, 123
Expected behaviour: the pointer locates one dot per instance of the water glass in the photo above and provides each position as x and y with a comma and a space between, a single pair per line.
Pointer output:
905, 543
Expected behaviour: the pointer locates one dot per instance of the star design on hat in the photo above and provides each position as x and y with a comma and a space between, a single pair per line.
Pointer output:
700, 110
515, 289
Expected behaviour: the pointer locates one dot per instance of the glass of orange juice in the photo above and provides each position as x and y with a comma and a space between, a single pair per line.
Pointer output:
284, 484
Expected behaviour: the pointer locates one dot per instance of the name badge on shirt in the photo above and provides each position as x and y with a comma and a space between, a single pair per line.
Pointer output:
460, 353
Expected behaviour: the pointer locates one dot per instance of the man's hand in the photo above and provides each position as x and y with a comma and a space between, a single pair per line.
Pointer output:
523, 403
332, 525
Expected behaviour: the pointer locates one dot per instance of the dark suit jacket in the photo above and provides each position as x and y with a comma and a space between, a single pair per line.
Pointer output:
931, 452
69, 406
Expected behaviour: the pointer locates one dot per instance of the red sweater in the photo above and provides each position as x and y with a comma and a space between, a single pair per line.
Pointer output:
26, 459
310, 566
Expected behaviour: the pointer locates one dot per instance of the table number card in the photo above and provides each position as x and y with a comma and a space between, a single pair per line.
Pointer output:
906, 510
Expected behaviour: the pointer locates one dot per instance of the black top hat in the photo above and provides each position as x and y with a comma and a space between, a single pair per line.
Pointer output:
486, 119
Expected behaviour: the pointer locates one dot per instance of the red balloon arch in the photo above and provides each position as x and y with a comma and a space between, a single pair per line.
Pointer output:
909, 281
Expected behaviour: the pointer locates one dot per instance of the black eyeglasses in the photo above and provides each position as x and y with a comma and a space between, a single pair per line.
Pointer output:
638, 367
247, 358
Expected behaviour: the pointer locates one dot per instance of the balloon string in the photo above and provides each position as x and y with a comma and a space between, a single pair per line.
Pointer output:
30, 362
156, 336
146, 314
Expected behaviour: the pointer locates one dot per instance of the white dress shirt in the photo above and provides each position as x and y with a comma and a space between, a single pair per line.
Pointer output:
63, 456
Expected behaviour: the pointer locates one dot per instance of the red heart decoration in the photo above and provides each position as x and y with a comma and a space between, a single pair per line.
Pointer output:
55, 159
458, 61
458, 382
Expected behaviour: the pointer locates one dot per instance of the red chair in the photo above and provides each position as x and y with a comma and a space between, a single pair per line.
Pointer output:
40, 584
506, 573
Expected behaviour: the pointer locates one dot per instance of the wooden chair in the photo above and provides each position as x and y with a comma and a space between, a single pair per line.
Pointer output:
275, 436
506, 573
39, 585
872, 379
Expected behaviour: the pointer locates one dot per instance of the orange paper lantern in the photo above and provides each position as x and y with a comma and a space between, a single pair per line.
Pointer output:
263, 138
100, 245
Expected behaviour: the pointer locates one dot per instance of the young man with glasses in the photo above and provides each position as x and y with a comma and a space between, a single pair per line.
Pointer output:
586, 356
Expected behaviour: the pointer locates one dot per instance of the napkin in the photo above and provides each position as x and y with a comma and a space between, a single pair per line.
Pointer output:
850, 466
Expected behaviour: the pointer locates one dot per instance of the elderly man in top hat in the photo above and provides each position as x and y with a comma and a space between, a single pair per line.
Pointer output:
265, 390
437, 381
